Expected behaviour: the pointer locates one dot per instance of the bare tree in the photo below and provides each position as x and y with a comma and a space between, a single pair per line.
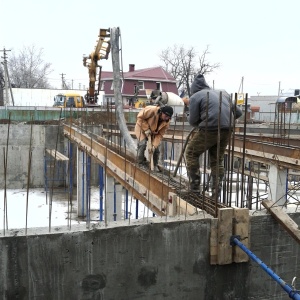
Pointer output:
28, 69
183, 64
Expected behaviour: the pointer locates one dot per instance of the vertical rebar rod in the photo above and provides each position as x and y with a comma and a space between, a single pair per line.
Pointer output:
70, 189
5, 157
5, 225
136, 208
28, 173
244, 152
205, 184
229, 160
82, 183
53, 173
101, 188
115, 202
88, 191
126, 204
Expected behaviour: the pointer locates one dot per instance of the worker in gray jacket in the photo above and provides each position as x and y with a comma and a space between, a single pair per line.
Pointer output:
208, 110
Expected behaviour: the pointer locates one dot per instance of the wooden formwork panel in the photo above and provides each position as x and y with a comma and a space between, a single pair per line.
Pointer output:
225, 219
241, 229
214, 242
230, 222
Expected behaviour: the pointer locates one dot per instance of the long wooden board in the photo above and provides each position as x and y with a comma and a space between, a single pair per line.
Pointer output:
283, 218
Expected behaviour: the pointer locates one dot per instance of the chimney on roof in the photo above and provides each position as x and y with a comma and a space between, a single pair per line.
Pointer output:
131, 67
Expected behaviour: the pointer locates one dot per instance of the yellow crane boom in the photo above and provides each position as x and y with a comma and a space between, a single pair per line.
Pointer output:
101, 51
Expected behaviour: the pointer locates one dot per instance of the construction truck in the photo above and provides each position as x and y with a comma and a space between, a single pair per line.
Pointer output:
59, 101
69, 100
140, 103
157, 97
102, 50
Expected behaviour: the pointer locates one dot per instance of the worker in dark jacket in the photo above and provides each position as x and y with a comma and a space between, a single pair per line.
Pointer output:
207, 113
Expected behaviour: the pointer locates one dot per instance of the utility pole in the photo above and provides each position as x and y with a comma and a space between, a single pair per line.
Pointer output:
241, 88
7, 84
62, 80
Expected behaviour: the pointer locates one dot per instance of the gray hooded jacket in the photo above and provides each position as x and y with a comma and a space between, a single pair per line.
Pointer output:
204, 107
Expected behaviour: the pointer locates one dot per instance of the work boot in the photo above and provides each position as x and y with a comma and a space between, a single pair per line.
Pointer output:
216, 187
156, 156
155, 160
144, 163
194, 177
195, 186
141, 159
156, 169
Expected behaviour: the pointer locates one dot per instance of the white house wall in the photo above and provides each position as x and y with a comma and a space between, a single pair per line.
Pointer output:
41, 97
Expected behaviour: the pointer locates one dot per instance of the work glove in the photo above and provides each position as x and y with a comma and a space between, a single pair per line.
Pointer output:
151, 150
147, 132
186, 101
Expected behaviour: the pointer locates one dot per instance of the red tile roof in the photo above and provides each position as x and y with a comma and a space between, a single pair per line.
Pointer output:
157, 73
149, 76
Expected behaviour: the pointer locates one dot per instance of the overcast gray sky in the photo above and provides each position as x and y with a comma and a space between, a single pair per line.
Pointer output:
258, 39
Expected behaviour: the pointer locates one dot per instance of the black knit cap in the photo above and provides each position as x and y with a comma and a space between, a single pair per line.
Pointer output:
167, 110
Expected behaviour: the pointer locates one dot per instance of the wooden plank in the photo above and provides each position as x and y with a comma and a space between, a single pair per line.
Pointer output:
225, 216
254, 174
288, 224
57, 155
177, 138
172, 205
214, 241
185, 208
241, 228
267, 158
149, 189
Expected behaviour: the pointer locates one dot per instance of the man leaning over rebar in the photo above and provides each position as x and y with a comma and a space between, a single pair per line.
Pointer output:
152, 121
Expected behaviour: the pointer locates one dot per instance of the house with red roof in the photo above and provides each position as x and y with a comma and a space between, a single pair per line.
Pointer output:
138, 85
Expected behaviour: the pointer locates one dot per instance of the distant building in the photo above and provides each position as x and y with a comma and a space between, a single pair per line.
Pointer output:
38, 97
266, 103
138, 85
268, 108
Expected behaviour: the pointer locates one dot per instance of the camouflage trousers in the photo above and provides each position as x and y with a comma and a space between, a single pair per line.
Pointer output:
200, 142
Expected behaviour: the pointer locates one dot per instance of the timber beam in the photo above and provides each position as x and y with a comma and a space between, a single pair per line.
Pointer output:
150, 190
230, 221
268, 154
268, 148
283, 218
291, 140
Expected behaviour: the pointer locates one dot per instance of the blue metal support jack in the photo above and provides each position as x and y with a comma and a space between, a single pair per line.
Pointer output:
101, 189
293, 294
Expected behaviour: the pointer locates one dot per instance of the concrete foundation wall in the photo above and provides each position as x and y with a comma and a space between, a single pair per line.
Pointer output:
152, 261
23, 139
